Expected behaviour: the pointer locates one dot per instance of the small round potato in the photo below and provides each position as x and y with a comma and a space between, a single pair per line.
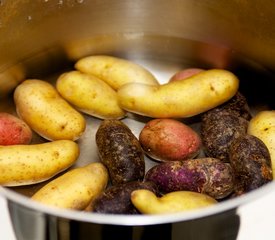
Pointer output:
148, 203
169, 140
46, 112
185, 73
13, 130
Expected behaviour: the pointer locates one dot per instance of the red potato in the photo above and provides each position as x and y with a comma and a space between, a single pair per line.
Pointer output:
169, 140
186, 73
13, 130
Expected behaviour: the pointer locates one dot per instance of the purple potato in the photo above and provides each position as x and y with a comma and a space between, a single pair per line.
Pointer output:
120, 151
117, 199
219, 128
251, 163
204, 175
237, 106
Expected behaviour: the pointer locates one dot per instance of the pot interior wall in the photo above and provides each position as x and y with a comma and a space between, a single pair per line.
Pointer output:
45, 38
41, 35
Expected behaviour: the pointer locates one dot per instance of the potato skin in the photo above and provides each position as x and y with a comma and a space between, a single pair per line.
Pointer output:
237, 106
185, 73
180, 99
262, 125
250, 160
204, 175
42, 108
89, 94
169, 140
13, 130
28, 164
219, 128
148, 203
115, 71
117, 199
120, 152
75, 189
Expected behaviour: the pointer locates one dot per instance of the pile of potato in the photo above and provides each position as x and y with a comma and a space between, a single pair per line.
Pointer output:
237, 148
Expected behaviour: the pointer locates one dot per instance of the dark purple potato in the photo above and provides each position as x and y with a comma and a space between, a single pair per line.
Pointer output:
251, 162
237, 106
204, 175
219, 128
120, 152
117, 199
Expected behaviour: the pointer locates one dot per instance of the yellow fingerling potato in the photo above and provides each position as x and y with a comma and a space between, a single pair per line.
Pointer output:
182, 98
90, 95
74, 189
148, 203
28, 164
115, 71
262, 125
46, 112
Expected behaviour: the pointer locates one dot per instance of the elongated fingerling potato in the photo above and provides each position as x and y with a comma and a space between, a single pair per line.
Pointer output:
89, 94
28, 164
148, 203
46, 112
75, 189
115, 71
182, 98
262, 125
120, 152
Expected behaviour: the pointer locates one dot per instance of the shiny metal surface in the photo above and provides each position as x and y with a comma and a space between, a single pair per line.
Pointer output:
40, 34
43, 38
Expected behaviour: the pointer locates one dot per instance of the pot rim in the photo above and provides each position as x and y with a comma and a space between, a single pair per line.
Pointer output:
137, 220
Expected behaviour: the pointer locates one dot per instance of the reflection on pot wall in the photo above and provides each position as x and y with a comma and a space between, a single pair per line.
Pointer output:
30, 225
33, 27
42, 37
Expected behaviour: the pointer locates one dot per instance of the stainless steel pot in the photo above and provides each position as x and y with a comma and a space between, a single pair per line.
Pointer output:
40, 39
